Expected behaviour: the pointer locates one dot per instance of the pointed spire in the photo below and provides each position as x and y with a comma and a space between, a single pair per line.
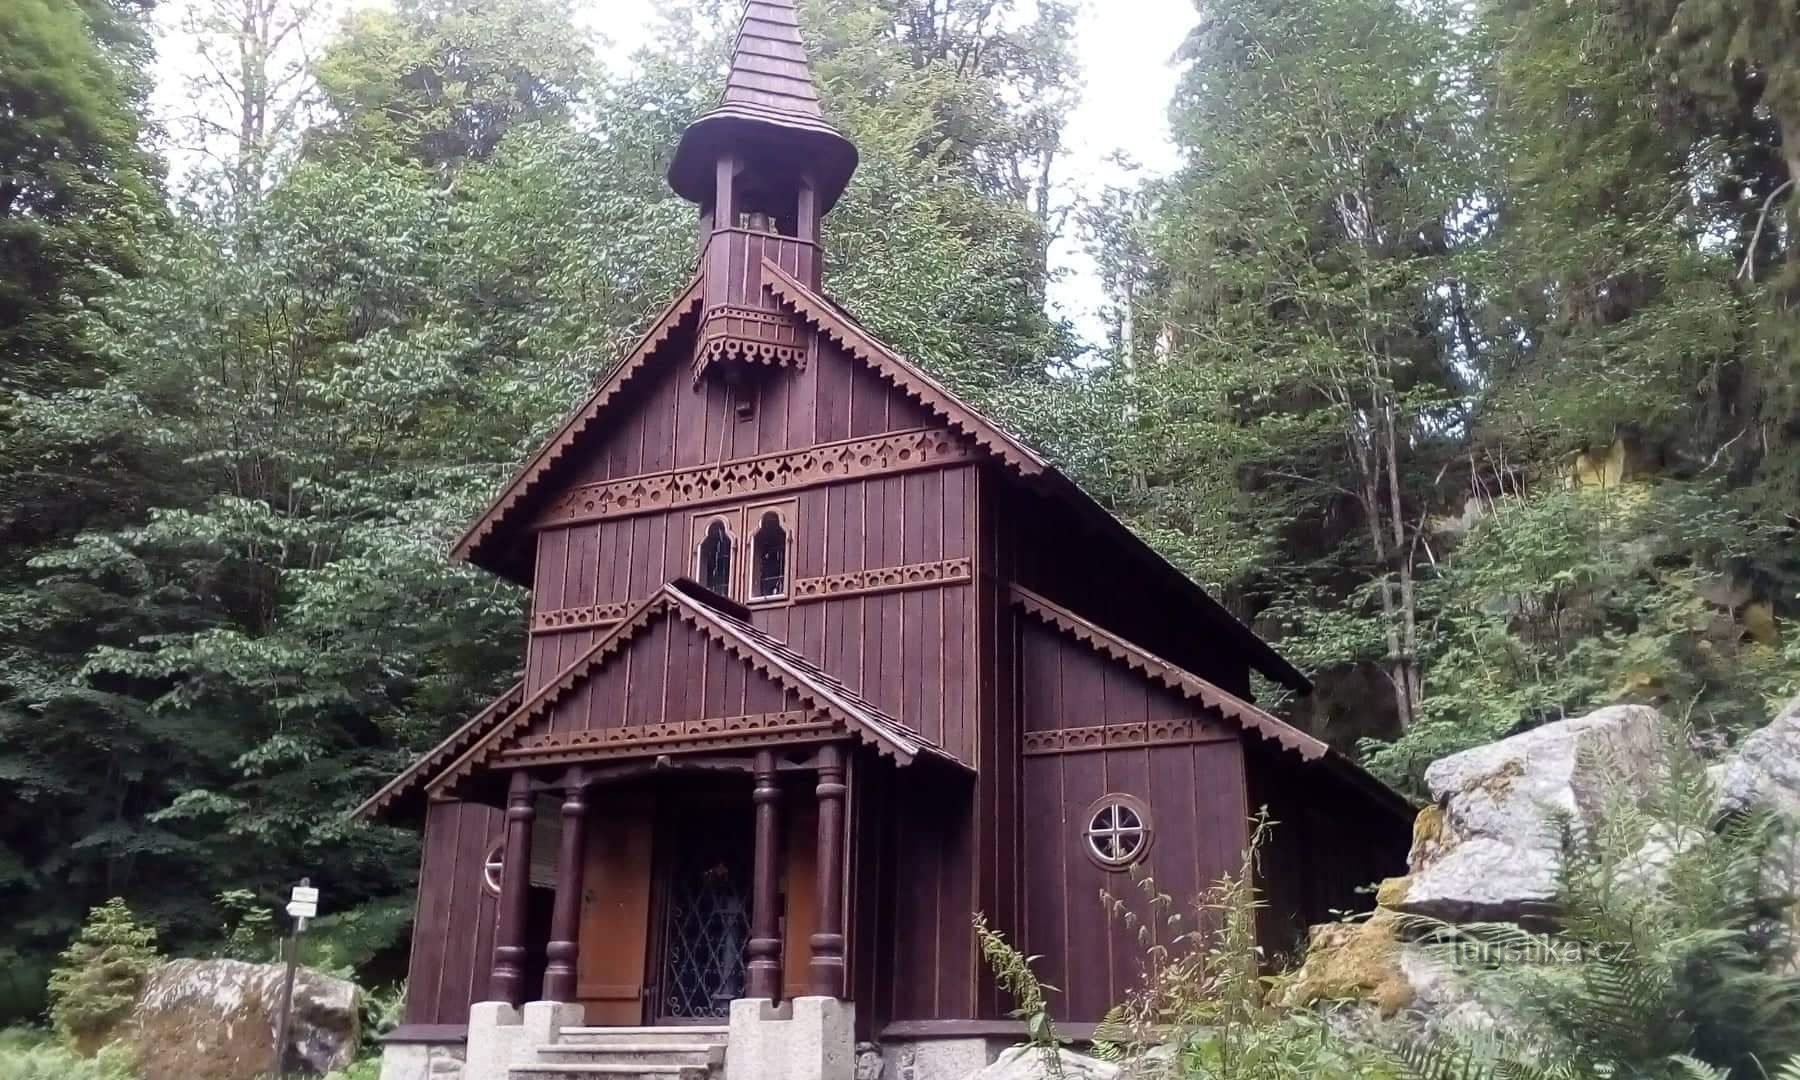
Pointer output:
768, 62
769, 113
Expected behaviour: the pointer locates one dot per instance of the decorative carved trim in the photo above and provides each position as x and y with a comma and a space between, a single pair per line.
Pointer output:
1176, 678
638, 740
748, 335
660, 331
898, 371
851, 459
558, 620
882, 579
1110, 736
762, 653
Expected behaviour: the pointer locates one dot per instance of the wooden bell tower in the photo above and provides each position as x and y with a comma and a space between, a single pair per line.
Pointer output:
764, 167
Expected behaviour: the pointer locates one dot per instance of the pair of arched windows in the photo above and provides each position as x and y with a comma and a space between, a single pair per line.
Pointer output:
753, 571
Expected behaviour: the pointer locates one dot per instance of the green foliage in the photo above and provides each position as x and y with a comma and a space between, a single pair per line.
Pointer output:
28, 1054
1663, 958
250, 927
1013, 974
79, 193
1561, 601
100, 973
442, 82
1205, 994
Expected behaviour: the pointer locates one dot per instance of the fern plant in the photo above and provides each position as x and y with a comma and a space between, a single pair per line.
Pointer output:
1662, 960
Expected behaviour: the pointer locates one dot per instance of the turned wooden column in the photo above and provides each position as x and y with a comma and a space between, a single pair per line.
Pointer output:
508, 982
827, 969
765, 900
565, 917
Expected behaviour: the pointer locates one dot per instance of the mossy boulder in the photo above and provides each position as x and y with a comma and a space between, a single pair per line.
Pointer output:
216, 1020
1490, 845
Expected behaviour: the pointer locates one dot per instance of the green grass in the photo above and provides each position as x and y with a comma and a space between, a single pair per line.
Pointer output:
35, 1054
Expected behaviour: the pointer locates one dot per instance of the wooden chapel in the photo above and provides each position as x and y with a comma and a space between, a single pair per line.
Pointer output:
820, 662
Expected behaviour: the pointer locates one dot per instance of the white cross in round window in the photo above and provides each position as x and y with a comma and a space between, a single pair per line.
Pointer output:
493, 866
1118, 830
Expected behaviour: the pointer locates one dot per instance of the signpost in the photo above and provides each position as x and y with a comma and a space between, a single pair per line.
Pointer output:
302, 905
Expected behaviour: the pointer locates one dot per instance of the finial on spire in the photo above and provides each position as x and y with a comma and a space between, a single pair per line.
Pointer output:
768, 115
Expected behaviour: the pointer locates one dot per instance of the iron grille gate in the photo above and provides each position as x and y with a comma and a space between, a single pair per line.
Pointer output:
708, 925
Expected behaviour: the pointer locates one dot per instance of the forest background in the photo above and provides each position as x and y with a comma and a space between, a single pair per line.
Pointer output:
1459, 358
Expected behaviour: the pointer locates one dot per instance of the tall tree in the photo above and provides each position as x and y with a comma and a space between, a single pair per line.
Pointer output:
77, 195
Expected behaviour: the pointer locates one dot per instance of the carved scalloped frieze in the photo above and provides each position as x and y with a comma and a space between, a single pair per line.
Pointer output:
1110, 736
748, 336
851, 459
882, 579
640, 739
560, 620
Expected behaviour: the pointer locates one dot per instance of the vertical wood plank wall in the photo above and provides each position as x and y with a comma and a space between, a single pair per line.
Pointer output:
910, 652
1061, 558
453, 924
1195, 793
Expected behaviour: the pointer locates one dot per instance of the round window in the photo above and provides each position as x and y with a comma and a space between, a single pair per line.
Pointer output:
493, 865
1117, 831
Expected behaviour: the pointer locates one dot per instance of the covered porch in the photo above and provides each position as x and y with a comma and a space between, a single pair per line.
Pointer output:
676, 883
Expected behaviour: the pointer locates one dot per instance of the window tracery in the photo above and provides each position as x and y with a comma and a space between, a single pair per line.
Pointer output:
1117, 832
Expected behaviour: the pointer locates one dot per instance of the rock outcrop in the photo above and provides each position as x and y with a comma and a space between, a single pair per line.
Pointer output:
1028, 1063
1489, 847
1764, 771
216, 1020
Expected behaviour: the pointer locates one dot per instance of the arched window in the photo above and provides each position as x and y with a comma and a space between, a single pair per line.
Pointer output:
713, 560
768, 558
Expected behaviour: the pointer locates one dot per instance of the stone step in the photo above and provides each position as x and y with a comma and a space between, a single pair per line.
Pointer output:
695, 1034
609, 1072
700, 1054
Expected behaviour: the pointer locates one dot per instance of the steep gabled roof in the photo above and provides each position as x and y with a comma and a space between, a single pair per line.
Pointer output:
902, 374
724, 623
470, 547
408, 787
1252, 720
832, 321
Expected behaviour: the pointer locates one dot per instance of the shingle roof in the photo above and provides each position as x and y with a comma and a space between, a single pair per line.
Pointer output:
714, 617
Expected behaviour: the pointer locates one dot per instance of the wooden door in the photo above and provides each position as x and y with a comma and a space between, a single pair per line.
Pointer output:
615, 909
799, 892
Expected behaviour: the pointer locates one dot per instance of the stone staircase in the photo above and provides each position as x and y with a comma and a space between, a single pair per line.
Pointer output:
630, 1053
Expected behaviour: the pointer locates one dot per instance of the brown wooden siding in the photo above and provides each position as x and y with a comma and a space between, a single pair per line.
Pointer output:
910, 651
1062, 559
1194, 791
670, 422
453, 924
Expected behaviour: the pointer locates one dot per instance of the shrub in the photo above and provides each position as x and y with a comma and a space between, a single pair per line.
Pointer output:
1204, 993
97, 980
26, 1054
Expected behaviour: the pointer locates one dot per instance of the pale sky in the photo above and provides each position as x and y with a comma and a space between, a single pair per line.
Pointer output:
1123, 46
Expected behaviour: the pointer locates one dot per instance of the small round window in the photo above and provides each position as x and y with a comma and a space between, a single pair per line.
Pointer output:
1117, 832
493, 865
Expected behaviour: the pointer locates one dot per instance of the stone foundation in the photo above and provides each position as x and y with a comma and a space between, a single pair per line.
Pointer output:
939, 1057
422, 1061
808, 1038
501, 1036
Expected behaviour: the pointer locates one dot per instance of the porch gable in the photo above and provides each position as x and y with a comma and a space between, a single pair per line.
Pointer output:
683, 672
